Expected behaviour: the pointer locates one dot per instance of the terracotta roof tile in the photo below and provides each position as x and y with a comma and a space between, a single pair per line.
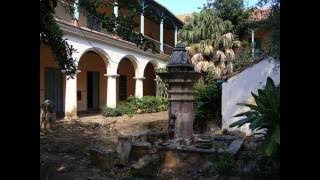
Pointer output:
259, 14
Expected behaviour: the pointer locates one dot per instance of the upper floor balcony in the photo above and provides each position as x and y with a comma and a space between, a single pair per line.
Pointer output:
154, 22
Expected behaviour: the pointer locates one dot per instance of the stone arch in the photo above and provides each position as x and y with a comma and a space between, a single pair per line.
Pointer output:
154, 63
149, 83
91, 81
103, 54
134, 61
127, 69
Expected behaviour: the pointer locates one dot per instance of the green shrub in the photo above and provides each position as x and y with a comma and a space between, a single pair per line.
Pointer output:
112, 112
243, 59
148, 103
207, 102
135, 105
222, 163
124, 109
264, 115
119, 111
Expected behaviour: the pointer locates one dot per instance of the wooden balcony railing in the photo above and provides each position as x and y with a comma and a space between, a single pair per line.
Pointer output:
167, 49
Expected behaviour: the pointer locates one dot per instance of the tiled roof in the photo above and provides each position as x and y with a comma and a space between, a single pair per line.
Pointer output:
184, 17
259, 14
255, 15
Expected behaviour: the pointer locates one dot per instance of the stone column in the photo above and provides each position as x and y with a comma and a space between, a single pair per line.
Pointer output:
139, 86
142, 20
161, 35
176, 35
157, 86
76, 14
180, 78
71, 98
252, 41
112, 90
116, 8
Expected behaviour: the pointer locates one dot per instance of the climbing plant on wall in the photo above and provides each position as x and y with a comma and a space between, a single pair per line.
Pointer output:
51, 35
123, 26
162, 86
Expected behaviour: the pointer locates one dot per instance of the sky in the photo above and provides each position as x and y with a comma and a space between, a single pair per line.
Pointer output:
178, 7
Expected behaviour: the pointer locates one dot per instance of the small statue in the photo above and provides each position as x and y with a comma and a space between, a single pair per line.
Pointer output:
171, 126
47, 115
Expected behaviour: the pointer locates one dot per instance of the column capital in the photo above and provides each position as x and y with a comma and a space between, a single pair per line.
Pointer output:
112, 75
139, 78
77, 72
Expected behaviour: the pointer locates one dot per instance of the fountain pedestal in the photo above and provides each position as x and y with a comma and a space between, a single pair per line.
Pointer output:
180, 78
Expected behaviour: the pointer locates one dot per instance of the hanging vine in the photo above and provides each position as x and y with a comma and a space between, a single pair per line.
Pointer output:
123, 26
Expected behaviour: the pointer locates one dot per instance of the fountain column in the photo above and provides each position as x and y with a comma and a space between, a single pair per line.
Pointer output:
180, 77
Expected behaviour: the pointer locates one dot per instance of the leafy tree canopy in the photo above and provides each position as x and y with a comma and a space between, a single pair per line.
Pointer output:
273, 22
231, 10
51, 35
205, 25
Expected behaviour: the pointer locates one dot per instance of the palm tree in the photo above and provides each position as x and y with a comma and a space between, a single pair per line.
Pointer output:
210, 42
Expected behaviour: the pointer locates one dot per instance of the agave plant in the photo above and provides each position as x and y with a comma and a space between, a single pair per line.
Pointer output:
265, 115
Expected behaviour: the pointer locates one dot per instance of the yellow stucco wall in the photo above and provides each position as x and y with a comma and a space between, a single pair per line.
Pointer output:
126, 68
47, 61
91, 62
149, 84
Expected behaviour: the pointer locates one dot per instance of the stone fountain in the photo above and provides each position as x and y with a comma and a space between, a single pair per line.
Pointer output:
179, 148
180, 77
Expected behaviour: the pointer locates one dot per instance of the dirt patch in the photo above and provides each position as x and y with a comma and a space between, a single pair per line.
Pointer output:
64, 152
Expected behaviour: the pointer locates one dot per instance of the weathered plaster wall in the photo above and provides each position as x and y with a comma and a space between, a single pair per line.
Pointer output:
238, 90
47, 60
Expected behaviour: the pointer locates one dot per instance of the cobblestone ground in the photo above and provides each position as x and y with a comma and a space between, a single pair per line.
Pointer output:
64, 151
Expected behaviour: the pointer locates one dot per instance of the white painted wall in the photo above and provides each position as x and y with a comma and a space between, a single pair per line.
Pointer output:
112, 55
115, 54
238, 90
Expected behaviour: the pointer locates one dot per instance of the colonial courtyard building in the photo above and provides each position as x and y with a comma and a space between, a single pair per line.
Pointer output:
110, 69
